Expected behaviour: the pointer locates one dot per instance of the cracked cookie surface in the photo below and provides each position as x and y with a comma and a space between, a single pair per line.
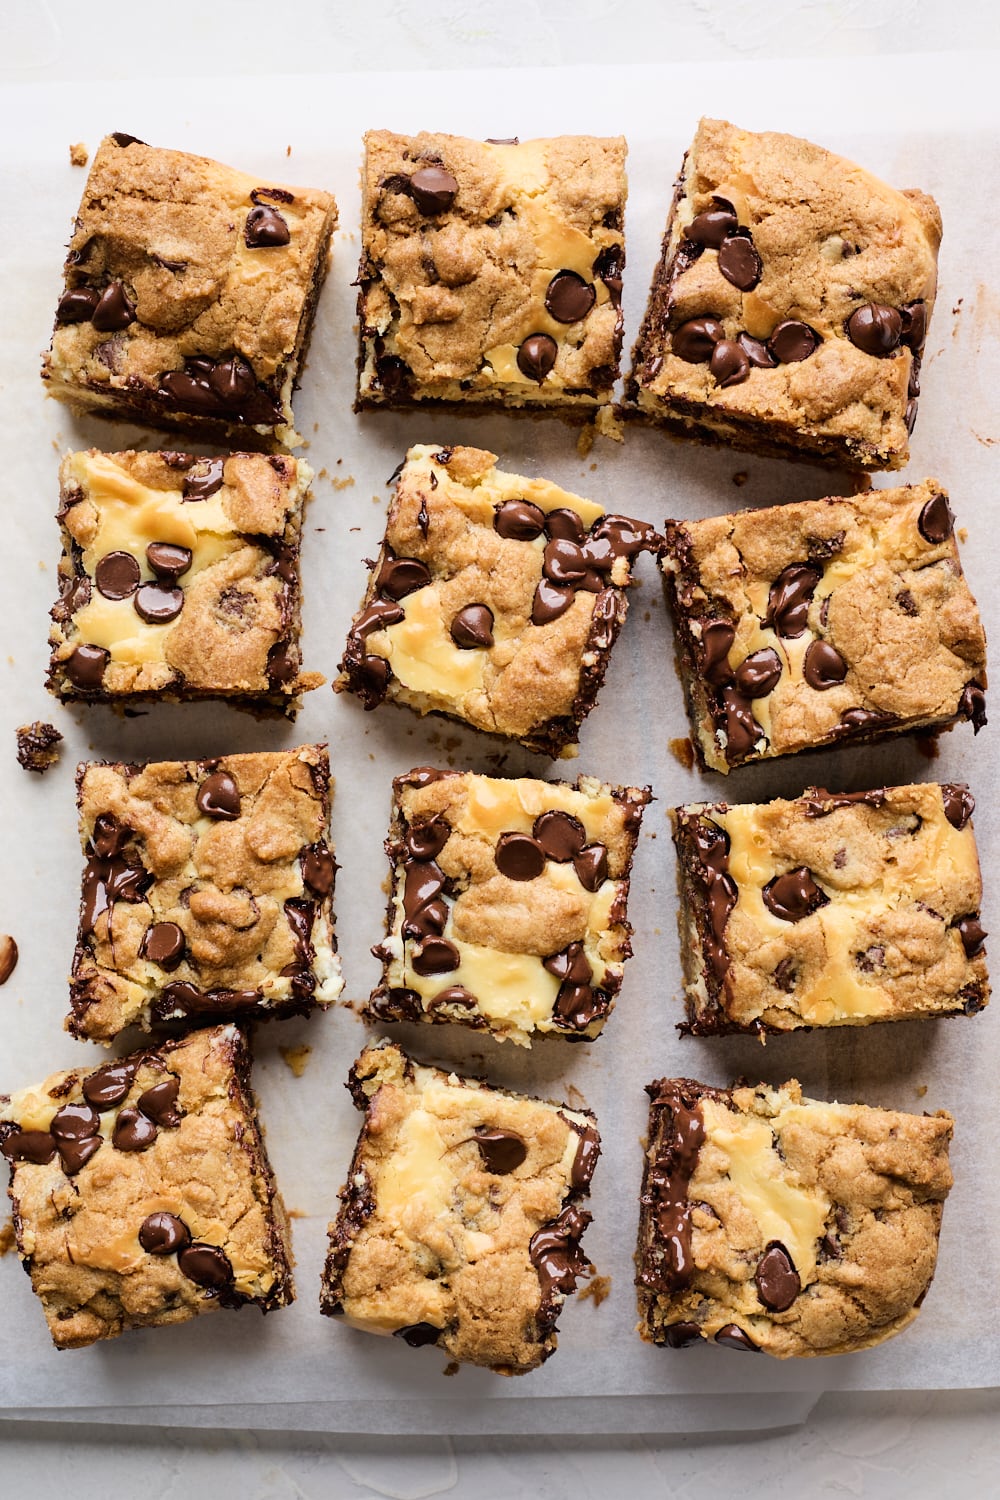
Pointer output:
461, 1220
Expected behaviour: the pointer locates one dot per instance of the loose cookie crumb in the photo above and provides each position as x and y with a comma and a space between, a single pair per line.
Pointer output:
78, 155
37, 746
295, 1058
7, 1238
598, 1289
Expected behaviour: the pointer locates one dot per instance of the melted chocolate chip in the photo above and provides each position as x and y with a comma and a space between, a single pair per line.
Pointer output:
109, 877
318, 869
282, 664
114, 311
77, 305
669, 1262
424, 841
133, 1132
972, 705
418, 1335
861, 721
717, 637
729, 363
568, 298
681, 1335
739, 262
35, 1146
758, 674
455, 994
265, 228
936, 521
560, 834
566, 524
591, 866
163, 944
75, 1154
741, 729
501, 1150
972, 933
472, 627
435, 956
588, 1149
109, 1085
75, 1122
694, 340
874, 328
792, 341
569, 964
218, 796
85, 667
789, 599
564, 561
708, 849
204, 480
205, 1265
914, 320
551, 600
824, 667
399, 576
556, 1253
167, 560
117, 575
519, 520
778, 1282
819, 803
756, 352
159, 1103
519, 857
711, 227
433, 190
959, 804
158, 603
733, 1337
163, 1234
537, 355
794, 895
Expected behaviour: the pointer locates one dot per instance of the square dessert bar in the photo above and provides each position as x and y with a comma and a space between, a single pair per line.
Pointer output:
495, 599
189, 294
491, 272
179, 580
508, 903
837, 909
776, 1223
207, 891
830, 621
788, 312
461, 1221
142, 1194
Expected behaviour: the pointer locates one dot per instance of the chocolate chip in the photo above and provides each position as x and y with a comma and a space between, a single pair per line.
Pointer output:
717, 637
789, 598
874, 328
973, 936
733, 1337
117, 575
537, 355
159, 1103
502, 1150
936, 521
205, 1265
158, 603
739, 262
218, 796
472, 627
418, 1335
265, 228
167, 560
114, 311
36, 1146
75, 1154
133, 1132
109, 1085
778, 1282
680, 1335
759, 674
694, 340
204, 480
162, 1234
455, 994
560, 834
75, 1122
318, 869
729, 363
792, 341
519, 520
121, 138
424, 841
8, 956
85, 667
551, 600
77, 305
756, 352
399, 576
569, 965
591, 866
794, 895
568, 297
711, 227
433, 190
959, 804
232, 381
564, 561
972, 705
109, 835
519, 857
914, 320
565, 523
163, 944
436, 955
824, 667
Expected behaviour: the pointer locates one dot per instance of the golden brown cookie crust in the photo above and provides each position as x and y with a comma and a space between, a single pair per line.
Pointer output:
203, 1163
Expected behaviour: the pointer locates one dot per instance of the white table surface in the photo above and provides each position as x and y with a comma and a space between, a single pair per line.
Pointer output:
911, 1444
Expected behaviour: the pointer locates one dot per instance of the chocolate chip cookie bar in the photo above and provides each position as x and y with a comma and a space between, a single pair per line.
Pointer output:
836, 909
822, 623
207, 891
495, 599
508, 903
491, 272
142, 1194
189, 295
179, 580
776, 1223
461, 1221
788, 312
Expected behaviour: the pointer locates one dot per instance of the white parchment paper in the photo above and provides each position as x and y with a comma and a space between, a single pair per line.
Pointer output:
920, 121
